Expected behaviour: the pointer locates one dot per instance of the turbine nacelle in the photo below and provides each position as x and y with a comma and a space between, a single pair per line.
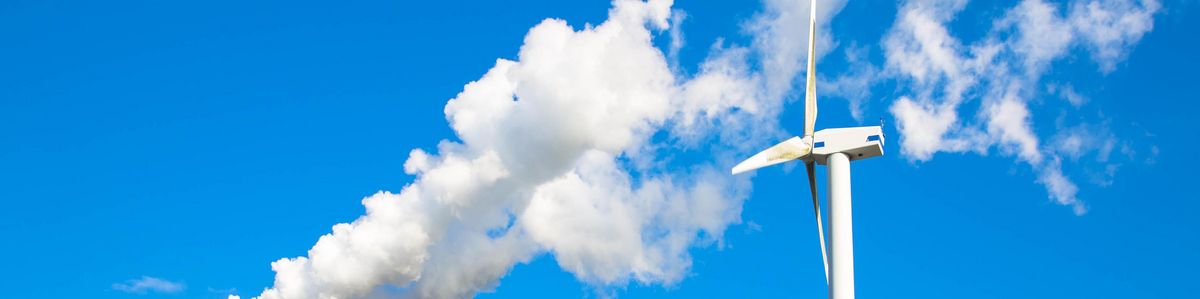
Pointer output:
856, 142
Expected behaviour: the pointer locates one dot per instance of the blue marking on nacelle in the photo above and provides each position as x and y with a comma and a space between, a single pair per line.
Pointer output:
819, 144
873, 138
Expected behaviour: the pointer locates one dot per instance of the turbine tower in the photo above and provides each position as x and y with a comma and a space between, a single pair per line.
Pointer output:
835, 148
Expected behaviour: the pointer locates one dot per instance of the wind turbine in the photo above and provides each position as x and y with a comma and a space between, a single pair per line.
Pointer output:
834, 148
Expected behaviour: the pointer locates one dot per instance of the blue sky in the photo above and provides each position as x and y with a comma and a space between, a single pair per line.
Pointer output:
196, 143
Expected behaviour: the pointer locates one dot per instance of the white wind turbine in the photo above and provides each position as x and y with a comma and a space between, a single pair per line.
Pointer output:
834, 148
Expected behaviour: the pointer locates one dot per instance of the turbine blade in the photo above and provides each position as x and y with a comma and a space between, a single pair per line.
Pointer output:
810, 91
791, 149
811, 167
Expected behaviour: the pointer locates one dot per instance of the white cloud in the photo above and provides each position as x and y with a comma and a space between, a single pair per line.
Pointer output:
920, 47
1041, 34
920, 52
147, 284
1008, 123
1061, 189
677, 38
1002, 71
924, 127
1111, 28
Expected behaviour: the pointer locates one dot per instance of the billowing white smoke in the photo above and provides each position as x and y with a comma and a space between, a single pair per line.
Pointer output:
556, 156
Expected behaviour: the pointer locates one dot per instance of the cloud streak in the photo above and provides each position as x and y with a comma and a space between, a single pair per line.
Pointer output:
147, 284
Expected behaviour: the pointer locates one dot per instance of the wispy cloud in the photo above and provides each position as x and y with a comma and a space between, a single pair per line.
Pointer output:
147, 284
1003, 71
216, 291
854, 84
